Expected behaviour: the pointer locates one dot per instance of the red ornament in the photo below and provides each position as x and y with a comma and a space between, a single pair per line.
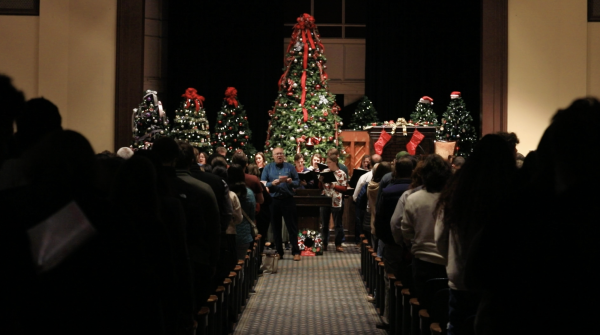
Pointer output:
318, 87
230, 128
313, 107
290, 93
246, 137
233, 113
294, 109
235, 139
245, 118
241, 123
325, 113
330, 138
312, 118
220, 121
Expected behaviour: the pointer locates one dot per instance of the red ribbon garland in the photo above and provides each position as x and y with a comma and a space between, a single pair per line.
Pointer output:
335, 110
230, 94
192, 94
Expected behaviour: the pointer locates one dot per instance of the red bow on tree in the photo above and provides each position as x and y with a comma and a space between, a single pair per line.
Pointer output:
306, 21
230, 94
192, 94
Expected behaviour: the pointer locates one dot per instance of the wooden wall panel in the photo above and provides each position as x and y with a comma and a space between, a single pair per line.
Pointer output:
494, 66
130, 66
356, 144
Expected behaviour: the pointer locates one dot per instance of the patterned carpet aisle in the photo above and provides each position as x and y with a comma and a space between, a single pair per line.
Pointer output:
318, 295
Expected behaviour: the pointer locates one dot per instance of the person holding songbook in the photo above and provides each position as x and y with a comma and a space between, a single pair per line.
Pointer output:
315, 160
300, 168
333, 181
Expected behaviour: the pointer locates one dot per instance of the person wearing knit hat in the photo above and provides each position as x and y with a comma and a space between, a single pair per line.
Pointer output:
401, 154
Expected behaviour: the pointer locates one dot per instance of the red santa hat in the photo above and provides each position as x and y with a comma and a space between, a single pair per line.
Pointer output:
426, 100
455, 94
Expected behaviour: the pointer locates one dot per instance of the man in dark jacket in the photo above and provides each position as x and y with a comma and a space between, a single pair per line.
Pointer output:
392, 252
202, 216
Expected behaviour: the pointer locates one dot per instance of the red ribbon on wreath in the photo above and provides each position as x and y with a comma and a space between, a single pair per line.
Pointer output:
192, 94
230, 94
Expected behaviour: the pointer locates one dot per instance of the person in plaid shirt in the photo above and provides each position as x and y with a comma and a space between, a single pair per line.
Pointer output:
333, 190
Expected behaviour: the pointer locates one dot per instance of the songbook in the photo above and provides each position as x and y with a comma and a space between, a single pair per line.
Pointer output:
57, 237
356, 174
328, 177
322, 166
307, 175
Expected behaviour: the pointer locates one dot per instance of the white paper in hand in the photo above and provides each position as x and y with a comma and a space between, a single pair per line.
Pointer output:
57, 237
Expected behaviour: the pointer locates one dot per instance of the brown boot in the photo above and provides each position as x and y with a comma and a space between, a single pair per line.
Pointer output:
339, 249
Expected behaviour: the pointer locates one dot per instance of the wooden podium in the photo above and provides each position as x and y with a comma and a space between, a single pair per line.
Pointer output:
308, 203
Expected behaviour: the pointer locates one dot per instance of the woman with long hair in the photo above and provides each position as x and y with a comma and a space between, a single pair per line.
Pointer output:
365, 164
334, 191
379, 171
260, 161
315, 159
477, 195
236, 180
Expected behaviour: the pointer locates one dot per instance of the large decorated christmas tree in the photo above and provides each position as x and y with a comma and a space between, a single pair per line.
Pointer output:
423, 114
305, 116
190, 124
457, 125
232, 130
364, 115
149, 122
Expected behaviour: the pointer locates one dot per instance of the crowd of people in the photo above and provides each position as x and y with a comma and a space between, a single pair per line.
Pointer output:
514, 235
151, 233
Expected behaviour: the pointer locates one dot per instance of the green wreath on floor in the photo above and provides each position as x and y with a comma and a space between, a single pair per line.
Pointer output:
310, 240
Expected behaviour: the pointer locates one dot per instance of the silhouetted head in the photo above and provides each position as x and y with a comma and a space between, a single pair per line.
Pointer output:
435, 173
39, 118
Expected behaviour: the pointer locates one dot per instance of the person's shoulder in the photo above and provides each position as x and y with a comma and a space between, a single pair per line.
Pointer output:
417, 195
252, 178
250, 194
209, 178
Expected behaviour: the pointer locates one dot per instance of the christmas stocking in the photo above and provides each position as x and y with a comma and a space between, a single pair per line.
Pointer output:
416, 138
382, 141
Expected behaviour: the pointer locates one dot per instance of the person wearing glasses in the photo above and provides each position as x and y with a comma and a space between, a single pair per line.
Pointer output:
281, 178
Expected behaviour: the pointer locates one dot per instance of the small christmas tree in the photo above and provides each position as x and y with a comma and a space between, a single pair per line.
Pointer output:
364, 115
305, 116
457, 126
232, 130
423, 114
190, 124
149, 122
